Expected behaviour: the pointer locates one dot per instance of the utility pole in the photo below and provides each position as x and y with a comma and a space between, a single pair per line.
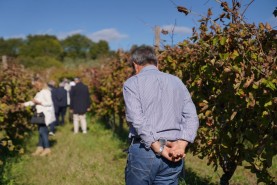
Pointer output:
157, 37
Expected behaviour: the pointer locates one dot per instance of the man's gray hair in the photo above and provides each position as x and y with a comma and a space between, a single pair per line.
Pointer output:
144, 55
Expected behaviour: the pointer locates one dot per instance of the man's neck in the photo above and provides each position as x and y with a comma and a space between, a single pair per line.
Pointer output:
138, 68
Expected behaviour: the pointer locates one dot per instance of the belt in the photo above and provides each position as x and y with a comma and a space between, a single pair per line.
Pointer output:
135, 140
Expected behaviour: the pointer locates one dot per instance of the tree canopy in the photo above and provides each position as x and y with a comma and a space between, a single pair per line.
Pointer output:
41, 45
76, 46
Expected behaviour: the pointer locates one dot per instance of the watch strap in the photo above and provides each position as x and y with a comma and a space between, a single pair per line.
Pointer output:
160, 151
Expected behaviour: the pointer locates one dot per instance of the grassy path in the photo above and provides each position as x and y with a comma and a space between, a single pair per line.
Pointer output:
81, 159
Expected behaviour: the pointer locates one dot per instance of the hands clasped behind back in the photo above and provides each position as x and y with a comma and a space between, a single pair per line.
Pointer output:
173, 151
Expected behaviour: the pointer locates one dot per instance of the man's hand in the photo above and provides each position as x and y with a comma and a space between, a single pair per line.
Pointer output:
173, 151
165, 153
177, 149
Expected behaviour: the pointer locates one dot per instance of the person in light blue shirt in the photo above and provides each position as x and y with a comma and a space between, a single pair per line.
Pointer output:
162, 120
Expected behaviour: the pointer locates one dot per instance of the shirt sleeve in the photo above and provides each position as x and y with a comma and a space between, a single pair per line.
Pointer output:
190, 121
134, 113
29, 103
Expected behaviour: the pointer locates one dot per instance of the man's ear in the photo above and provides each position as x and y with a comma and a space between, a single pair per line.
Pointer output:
136, 67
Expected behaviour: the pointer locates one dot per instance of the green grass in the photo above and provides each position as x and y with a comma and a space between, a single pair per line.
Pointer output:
98, 158
92, 158
198, 173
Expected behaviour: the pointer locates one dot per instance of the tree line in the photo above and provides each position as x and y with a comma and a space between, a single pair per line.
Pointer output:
48, 50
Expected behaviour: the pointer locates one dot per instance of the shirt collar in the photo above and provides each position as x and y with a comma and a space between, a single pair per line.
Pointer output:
149, 67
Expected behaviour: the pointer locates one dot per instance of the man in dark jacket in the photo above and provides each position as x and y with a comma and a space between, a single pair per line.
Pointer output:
79, 105
61, 101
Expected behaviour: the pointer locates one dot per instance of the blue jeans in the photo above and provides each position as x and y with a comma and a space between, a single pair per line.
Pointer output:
43, 136
145, 168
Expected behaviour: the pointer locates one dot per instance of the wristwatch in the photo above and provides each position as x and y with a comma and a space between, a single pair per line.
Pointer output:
162, 144
160, 151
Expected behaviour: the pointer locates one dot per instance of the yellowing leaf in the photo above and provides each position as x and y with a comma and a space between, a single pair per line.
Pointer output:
11, 148
255, 86
223, 40
201, 116
234, 55
207, 113
265, 113
254, 56
215, 41
4, 143
224, 56
21, 151
271, 85
268, 104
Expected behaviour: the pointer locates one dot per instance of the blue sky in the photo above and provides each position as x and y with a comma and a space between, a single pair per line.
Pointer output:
122, 23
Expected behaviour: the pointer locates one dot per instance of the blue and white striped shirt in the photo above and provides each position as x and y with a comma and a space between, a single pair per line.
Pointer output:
158, 105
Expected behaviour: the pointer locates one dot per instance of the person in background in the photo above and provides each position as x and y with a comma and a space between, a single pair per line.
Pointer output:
79, 105
53, 89
61, 99
162, 120
43, 104
67, 87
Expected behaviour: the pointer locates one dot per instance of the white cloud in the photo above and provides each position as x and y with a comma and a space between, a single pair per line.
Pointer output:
108, 35
177, 29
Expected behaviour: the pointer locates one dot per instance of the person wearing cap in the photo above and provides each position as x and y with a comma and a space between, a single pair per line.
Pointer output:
79, 105
162, 120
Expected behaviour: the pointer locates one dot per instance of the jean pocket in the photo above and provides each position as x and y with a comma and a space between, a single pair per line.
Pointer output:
139, 166
175, 167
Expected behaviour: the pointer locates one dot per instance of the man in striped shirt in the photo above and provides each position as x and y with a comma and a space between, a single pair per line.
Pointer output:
162, 120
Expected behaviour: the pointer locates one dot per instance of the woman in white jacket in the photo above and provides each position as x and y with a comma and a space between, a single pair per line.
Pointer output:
43, 103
